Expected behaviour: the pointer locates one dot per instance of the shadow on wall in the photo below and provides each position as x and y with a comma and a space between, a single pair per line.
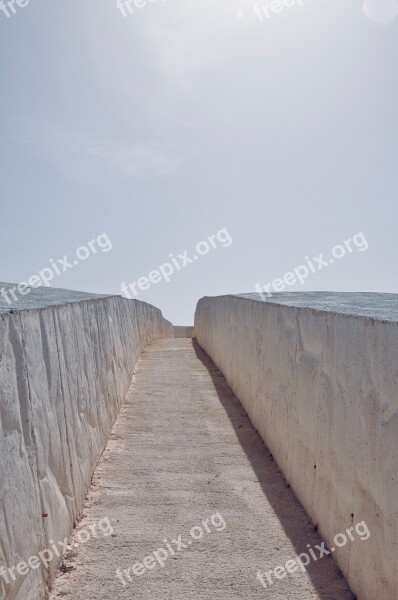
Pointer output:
325, 575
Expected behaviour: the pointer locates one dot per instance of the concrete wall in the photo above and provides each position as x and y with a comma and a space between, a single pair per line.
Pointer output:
181, 331
64, 373
322, 390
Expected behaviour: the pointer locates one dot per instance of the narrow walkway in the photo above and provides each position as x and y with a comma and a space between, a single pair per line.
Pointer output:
182, 451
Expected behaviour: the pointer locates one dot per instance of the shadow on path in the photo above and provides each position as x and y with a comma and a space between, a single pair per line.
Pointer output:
325, 575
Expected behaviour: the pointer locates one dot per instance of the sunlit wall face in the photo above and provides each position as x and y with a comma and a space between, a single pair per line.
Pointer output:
163, 122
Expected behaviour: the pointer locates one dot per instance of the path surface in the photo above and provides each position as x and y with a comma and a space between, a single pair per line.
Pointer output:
182, 451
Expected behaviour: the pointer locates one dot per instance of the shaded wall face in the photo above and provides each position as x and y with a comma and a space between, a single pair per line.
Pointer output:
64, 373
322, 390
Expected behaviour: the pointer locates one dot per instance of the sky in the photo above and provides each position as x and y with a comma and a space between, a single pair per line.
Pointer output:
168, 150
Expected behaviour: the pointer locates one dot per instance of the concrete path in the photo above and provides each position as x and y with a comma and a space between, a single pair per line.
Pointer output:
184, 460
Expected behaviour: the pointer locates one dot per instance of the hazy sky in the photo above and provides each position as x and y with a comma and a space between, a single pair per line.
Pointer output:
186, 118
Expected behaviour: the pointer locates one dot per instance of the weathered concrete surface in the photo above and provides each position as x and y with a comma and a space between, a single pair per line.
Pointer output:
183, 449
64, 373
381, 307
40, 297
318, 376
181, 331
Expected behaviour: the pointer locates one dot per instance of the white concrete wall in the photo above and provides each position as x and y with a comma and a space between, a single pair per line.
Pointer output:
64, 373
322, 390
181, 331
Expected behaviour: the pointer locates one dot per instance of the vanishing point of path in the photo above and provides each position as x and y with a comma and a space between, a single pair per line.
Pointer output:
181, 452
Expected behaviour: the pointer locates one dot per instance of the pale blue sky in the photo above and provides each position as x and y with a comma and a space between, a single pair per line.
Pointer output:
190, 116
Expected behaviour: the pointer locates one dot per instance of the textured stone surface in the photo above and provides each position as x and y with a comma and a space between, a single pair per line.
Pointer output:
321, 386
183, 449
381, 307
64, 373
41, 297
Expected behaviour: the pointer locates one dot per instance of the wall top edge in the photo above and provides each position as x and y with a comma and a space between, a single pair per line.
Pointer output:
41, 298
367, 305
